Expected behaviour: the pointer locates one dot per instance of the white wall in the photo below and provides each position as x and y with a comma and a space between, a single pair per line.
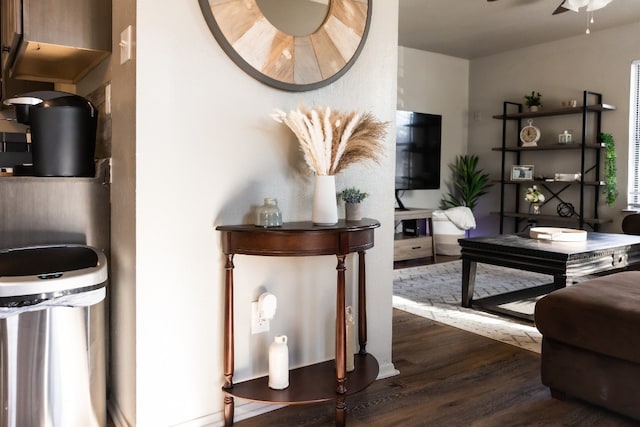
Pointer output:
598, 62
435, 84
207, 152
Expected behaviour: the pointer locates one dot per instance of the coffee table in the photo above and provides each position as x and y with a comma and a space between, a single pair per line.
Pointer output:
565, 261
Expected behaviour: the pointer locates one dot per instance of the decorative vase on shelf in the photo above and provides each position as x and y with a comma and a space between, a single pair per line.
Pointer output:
533, 108
279, 363
325, 204
534, 208
353, 211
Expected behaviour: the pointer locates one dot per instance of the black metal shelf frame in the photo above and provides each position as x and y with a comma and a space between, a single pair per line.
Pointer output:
591, 109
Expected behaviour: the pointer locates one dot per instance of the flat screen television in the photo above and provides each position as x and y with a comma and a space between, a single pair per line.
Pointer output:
418, 147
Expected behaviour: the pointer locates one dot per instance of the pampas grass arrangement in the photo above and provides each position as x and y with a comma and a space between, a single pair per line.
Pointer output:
332, 140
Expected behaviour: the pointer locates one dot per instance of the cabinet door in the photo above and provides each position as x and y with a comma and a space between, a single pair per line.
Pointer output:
11, 21
11, 32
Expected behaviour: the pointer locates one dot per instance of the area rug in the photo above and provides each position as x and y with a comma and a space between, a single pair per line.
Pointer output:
434, 292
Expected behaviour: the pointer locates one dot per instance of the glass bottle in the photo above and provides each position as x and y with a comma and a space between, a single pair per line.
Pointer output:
268, 215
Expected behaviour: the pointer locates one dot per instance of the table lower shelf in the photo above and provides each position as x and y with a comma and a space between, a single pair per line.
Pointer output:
508, 302
310, 384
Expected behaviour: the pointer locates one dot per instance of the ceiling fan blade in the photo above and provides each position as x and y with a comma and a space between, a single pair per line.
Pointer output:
560, 9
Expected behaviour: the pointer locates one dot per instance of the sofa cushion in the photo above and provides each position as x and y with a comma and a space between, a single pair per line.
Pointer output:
600, 315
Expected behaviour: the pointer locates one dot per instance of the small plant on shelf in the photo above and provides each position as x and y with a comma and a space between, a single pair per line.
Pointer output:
610, 182
353, 195
533, 195
533, 101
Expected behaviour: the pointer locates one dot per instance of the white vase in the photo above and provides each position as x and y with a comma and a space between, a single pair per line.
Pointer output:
279, 363
325, 205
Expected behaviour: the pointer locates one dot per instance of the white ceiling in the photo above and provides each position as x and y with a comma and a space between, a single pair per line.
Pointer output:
476, 28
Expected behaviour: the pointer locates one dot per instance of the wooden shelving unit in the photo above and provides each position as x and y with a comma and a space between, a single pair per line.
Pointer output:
584, 155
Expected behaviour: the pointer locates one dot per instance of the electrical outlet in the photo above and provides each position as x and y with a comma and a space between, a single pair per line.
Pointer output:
258, 325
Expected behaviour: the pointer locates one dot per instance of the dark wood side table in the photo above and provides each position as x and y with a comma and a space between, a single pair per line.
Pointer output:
319, 382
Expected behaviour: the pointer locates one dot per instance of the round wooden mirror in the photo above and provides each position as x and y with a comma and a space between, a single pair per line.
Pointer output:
281, 57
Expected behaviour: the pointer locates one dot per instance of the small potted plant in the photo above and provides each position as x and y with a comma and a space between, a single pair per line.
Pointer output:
352, 198
533, 101
534, 197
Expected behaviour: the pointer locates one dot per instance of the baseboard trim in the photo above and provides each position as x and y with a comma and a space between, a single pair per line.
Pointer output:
241, 411
252, 409
387, 370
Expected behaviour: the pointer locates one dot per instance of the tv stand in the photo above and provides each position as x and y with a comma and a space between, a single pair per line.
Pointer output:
406, 247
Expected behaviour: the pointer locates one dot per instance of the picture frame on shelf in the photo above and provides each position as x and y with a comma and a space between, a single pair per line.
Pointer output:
522, 173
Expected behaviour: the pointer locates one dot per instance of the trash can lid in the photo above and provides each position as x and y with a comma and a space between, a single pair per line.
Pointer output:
50, 270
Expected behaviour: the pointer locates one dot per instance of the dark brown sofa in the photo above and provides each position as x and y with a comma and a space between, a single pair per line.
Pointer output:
591, 341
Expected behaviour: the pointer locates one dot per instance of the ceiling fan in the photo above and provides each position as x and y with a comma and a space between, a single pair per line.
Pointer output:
575, 5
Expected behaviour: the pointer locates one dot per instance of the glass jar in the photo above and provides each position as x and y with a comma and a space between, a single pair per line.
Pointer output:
268, 215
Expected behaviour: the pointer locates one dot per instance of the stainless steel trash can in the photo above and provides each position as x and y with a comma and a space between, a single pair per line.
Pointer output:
52, 336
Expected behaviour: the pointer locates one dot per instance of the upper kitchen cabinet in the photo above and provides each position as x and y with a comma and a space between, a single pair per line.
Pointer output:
10, 32
56, 41
11, 21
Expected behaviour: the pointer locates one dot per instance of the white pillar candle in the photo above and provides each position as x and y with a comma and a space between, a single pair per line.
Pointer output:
279, 363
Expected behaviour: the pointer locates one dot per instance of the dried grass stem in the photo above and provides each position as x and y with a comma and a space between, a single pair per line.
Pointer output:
331, 140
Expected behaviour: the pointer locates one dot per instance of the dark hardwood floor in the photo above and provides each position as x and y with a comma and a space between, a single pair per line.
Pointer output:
449, 377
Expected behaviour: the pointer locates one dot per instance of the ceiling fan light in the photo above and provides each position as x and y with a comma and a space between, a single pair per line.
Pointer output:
574, 5
597, 4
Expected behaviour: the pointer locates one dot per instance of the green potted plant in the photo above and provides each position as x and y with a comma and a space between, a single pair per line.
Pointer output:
533, 101
534, 197
610, 182
352, 198
469, 183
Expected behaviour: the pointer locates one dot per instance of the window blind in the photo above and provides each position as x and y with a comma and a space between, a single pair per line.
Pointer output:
634, 138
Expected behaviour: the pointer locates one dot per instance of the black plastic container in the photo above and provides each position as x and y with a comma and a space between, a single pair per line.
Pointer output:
63, 136
22, 103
